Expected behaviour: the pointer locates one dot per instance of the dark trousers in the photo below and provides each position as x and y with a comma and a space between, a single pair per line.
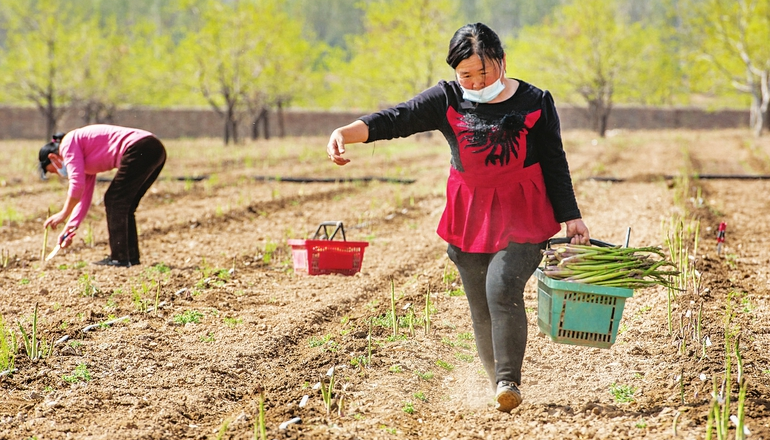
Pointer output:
494, 285
139, 168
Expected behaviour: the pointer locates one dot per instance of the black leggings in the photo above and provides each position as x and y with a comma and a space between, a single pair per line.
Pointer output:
140, 166
494, 285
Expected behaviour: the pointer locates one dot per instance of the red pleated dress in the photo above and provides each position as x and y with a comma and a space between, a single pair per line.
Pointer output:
490, 206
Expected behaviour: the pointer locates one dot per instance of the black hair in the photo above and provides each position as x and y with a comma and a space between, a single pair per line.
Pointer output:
475, 39
50, 147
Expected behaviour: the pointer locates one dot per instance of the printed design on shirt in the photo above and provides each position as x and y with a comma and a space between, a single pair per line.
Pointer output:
498, 139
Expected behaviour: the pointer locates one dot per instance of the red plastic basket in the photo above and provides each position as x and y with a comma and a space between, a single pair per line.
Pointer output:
325, 256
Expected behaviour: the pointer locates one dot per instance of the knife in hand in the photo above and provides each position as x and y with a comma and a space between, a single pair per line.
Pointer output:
58, 246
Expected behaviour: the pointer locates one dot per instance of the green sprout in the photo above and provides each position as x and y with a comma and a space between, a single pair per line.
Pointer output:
427, 311
259, 424
464, 357
327, 389
87, 286
393, 308
622, 393
7, 347
459, 291
326, 343
188, 316
428, 375
270, 248
232, 322
359, 361
81, 373
35, 348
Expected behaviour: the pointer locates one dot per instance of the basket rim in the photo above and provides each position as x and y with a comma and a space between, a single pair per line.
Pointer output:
303, 242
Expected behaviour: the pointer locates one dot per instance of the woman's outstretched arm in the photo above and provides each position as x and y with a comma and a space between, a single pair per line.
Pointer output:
352, 133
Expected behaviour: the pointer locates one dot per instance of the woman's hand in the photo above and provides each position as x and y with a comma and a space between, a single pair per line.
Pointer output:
578, 231
54, 220
336, 148
352, 133
65, 238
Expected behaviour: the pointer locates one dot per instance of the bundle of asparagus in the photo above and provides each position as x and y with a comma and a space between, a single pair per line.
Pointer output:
609, 266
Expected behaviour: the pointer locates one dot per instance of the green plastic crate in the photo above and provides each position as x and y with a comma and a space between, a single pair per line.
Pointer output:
579, 314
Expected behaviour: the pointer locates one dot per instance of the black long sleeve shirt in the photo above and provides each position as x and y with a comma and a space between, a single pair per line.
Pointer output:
498, 130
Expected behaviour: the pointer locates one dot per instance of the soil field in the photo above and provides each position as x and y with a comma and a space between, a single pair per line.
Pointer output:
215, 320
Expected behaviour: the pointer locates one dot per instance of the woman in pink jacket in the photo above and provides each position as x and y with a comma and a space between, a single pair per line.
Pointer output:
82, 153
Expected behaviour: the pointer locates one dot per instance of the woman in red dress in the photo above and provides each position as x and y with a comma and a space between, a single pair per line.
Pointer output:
509, 188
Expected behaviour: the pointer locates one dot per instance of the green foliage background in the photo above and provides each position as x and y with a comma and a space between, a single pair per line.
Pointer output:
244, 56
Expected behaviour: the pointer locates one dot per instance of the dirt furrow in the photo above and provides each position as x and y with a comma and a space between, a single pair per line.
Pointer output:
218, 249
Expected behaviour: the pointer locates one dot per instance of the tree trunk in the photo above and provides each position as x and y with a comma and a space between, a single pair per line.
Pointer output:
758, 87
106, 115
86, 113
603, 123
227, 125
265, 122
255, 128
598, 116
50, 118
231, 124
767, 118
94, 112
756, 118
260, 119
281, 126
48, 109
759, 112
762, 111
50, 112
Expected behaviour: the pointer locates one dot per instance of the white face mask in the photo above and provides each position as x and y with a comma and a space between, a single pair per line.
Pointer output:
62, 171
484, 95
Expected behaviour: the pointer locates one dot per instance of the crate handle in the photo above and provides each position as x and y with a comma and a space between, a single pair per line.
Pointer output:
337, 228
566, 240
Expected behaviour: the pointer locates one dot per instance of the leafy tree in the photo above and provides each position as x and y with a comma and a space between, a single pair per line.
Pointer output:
400, 54
101, 74
245, 57
222, 59
150, 32
507, 17
128, 58
152, 73
41, 56
330, 20
731, 37
588, 50
289, 59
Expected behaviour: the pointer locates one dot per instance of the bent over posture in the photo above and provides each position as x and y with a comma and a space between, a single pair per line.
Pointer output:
82, 153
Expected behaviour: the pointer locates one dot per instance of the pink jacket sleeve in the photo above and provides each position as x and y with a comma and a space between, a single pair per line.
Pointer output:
81, 209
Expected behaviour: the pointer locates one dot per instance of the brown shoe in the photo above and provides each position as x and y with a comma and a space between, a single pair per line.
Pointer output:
507, 397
